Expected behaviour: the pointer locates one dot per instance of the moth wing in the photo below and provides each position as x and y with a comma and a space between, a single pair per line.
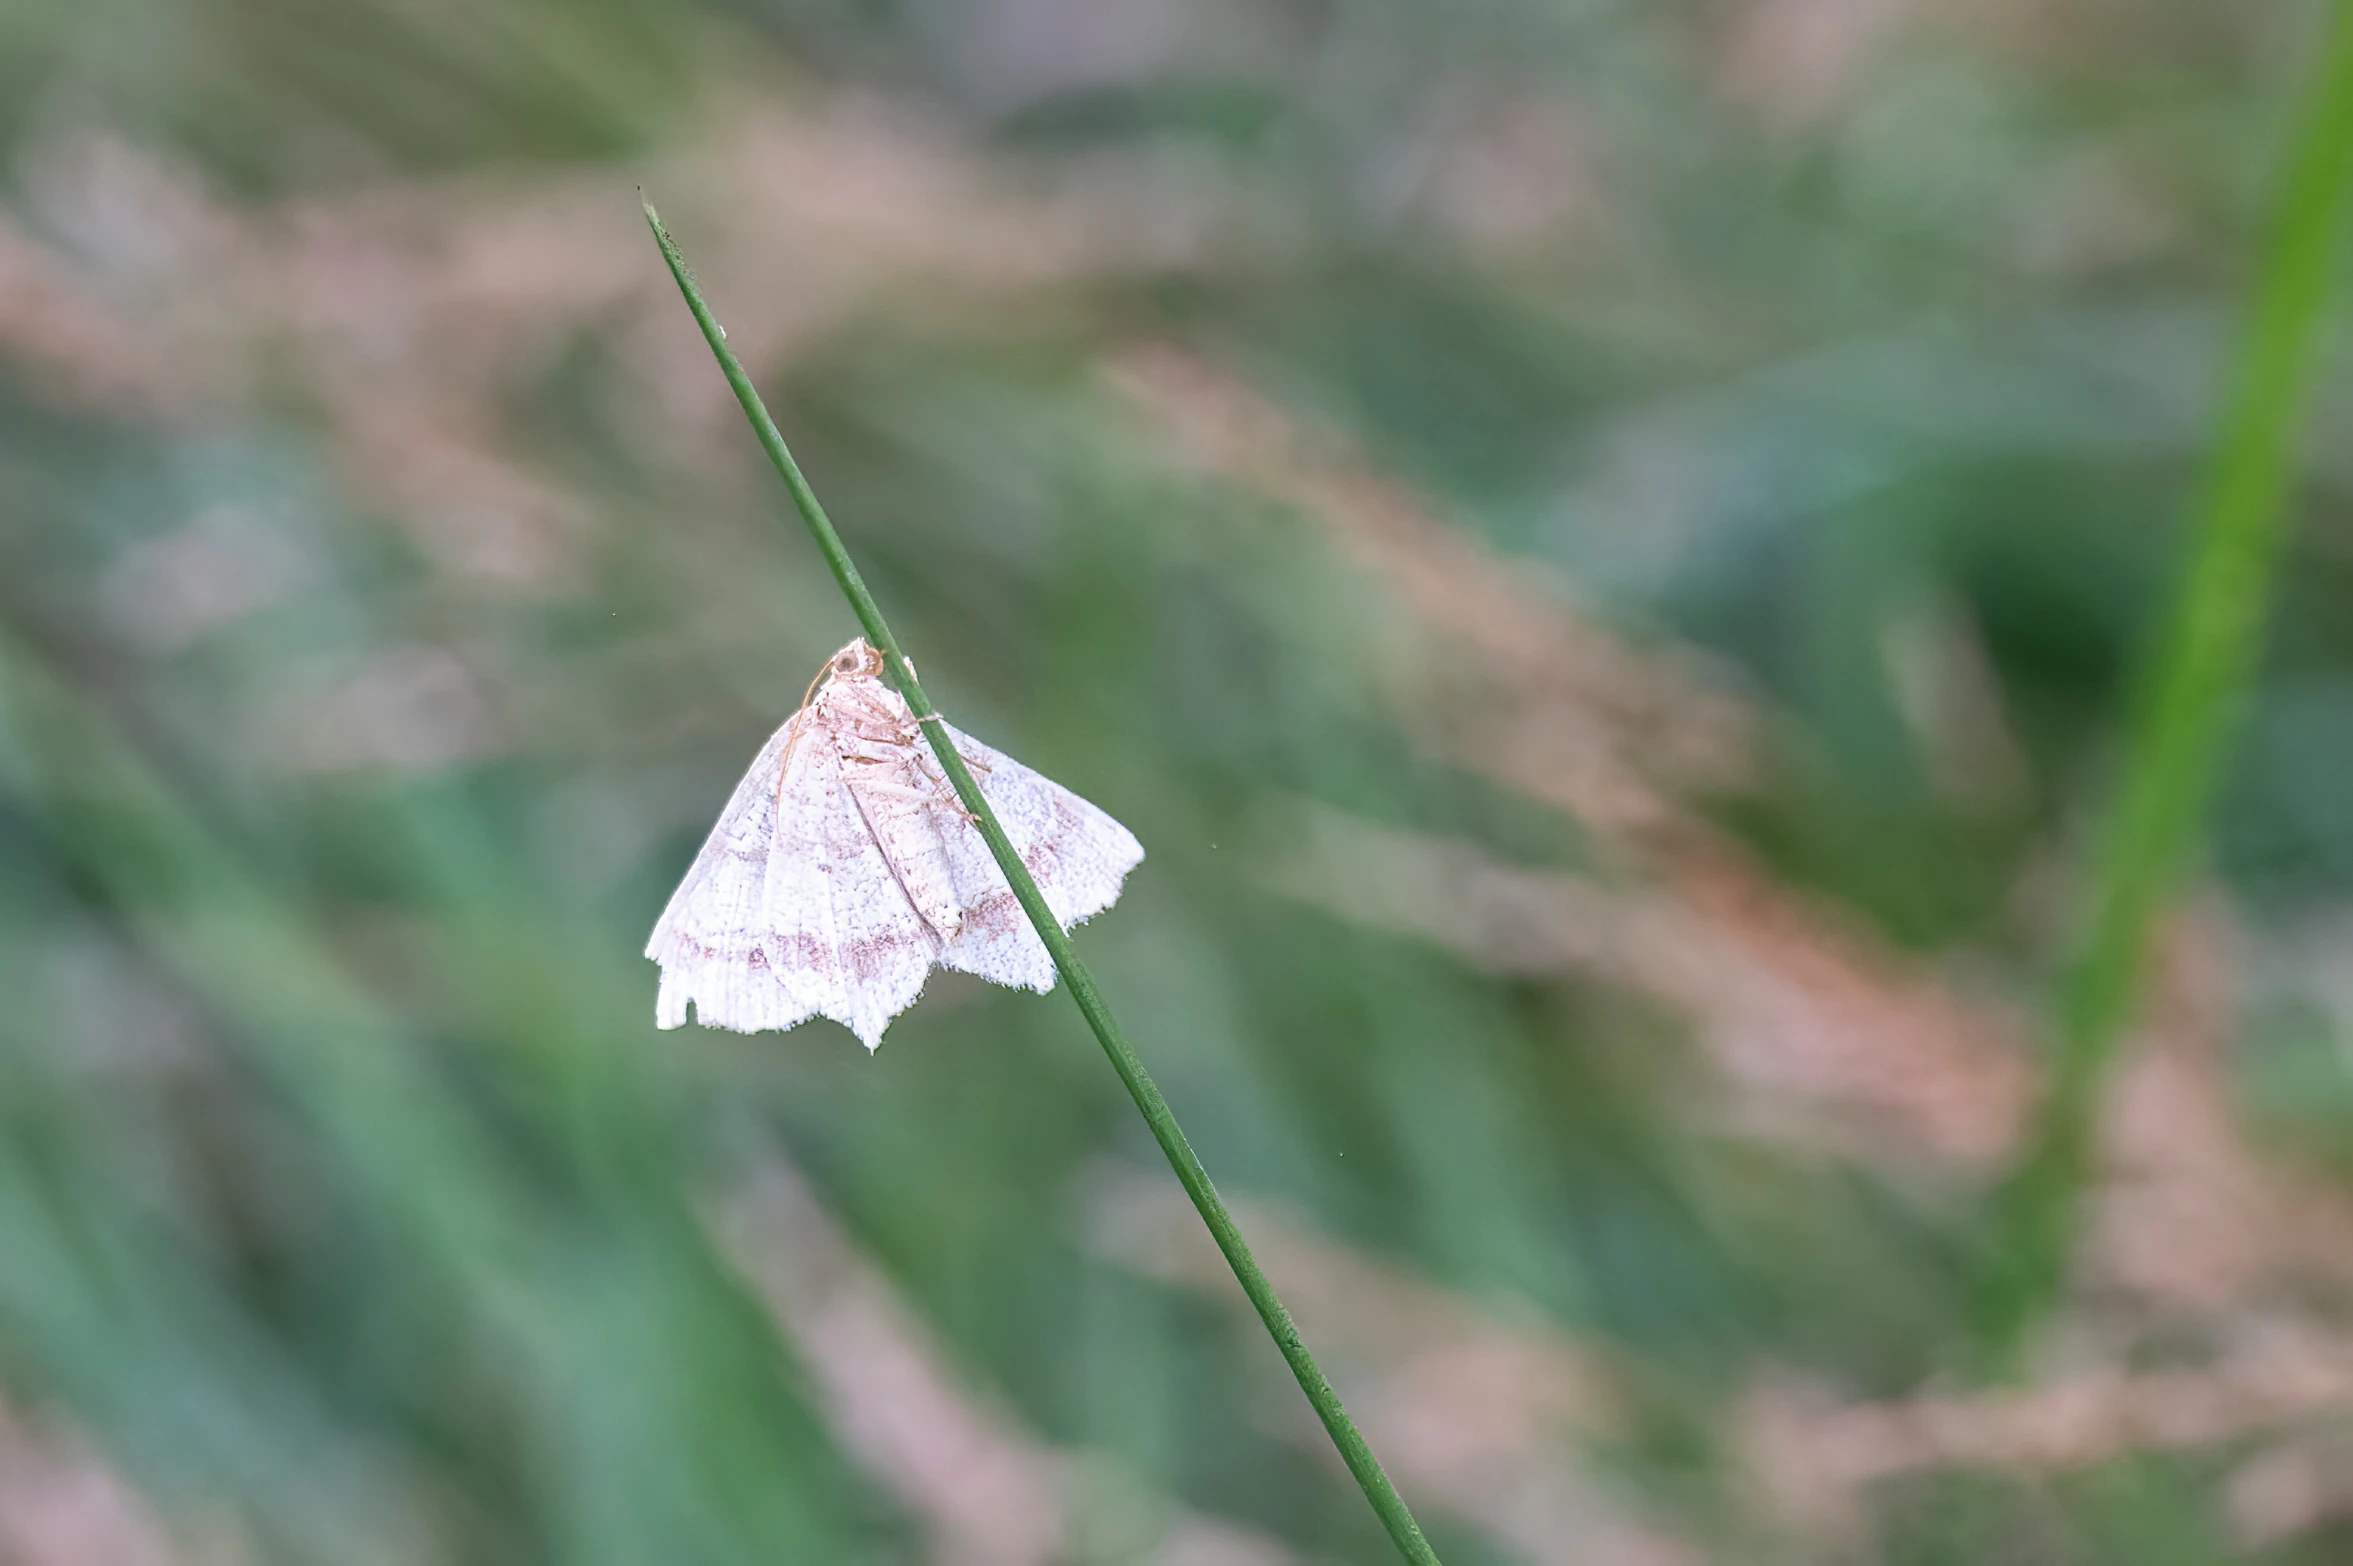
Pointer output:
714, 939
790, 910
881, 948
1077, 854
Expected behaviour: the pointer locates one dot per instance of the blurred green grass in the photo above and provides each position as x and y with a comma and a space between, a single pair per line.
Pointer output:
388, 604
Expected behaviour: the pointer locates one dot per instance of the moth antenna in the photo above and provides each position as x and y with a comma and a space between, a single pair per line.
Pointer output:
818, 679
784, 762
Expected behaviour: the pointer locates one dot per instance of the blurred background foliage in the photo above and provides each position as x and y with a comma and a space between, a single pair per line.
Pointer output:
1600, 547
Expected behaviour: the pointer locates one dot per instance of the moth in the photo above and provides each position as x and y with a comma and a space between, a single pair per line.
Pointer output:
844, 869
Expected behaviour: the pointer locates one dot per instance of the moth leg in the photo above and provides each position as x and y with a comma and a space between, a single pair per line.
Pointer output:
897, 754
907, 735
930, 796
945, 797
869, 705
941, 798
920, 758
932, 760
888, 790
904, 731
909, 729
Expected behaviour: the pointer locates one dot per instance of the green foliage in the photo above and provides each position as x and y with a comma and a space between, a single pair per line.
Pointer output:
384, 617
2202, 663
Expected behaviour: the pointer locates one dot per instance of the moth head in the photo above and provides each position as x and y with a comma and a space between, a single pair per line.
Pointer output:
854, 660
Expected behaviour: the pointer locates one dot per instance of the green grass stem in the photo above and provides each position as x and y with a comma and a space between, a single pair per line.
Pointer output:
1366, 1468
2201, 668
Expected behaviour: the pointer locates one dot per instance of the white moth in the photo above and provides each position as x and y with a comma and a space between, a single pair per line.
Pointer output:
844, 868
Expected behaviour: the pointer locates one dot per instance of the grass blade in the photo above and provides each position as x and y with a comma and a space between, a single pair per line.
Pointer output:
2202, 667
1362, 1464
